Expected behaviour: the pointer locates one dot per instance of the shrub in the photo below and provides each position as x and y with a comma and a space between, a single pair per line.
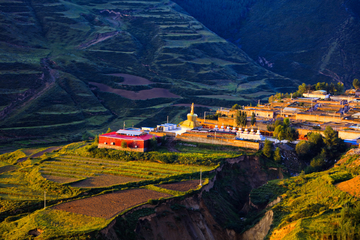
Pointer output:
123, 144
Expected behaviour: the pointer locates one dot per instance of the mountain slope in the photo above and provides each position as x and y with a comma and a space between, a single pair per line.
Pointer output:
77, 65
307, 40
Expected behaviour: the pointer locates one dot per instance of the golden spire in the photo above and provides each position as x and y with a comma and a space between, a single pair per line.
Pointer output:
192, 108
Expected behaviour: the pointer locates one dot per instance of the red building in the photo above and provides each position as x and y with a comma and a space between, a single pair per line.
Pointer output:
135, 140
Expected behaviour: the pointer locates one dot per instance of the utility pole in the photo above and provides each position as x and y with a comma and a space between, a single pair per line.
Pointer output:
200, 177
124, 124
44, 199
167, 121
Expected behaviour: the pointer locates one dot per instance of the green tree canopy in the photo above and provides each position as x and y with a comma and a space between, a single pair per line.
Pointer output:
267, 149
277, 155
253, 119
236, 106
241, 118
316, 139
279, 132
303, 149
356, 83
291, 134
286, 122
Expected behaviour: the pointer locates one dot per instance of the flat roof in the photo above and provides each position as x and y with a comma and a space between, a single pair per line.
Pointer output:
130, 132
142, 137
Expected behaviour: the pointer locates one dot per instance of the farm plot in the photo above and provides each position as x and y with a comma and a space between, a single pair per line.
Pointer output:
103, 172
104, 180
141, 95
20, 185
181, 186
109, 205
131, 79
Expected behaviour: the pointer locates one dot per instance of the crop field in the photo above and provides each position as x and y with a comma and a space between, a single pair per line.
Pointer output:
131, 79
104, 180
181, 186
141, 95
102, 172
109, 205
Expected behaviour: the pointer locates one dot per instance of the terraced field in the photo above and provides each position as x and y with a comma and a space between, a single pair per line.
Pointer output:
102, 172
100, 206
139, 54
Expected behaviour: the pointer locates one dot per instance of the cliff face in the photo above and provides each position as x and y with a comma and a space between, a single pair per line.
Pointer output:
220, 211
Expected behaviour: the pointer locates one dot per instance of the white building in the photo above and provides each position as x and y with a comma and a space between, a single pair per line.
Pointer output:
252, 135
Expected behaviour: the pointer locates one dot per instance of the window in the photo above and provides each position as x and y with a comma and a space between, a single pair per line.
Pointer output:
105, 143
112, 143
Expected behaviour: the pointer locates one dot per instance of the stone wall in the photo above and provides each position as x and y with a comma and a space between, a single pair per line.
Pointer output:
228, 142
120, 148
310, 117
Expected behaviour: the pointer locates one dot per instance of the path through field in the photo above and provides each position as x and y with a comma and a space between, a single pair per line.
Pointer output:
109, 205
39, 154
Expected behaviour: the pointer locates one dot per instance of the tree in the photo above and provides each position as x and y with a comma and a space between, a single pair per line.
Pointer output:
279, 133
267, 149
236, 106
124, 144
253, 119
286, 122
356, 83
302, 89
271, 99
291, 134
316, 140
277, 155
241, 118
109, 130
334, 145
96, 139
339, 88
331, 137
303, 149
278, 122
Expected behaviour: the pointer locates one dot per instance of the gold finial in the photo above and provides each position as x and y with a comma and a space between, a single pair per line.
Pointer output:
192, 108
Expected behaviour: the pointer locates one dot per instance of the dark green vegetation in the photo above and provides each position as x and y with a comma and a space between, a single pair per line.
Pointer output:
320, 152
63, 63
309, 40
241, 118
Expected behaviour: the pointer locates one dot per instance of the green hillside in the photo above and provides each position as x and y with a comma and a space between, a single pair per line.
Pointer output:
313, 41
322, 205
70, 67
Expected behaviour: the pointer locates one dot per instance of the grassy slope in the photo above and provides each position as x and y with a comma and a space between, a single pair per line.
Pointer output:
46, 65
312, 206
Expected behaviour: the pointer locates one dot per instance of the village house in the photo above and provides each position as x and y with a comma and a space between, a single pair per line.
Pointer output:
129, 140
